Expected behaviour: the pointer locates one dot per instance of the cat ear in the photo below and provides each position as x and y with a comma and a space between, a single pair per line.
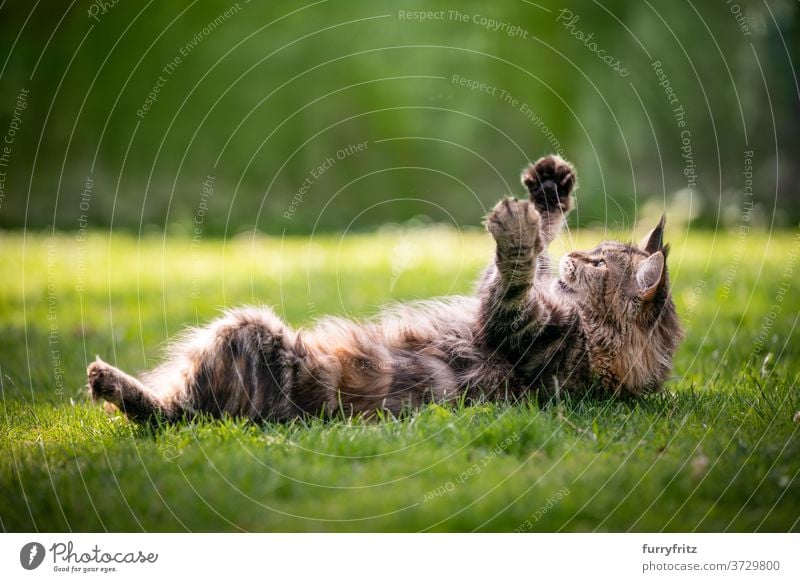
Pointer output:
649, 275
654, 241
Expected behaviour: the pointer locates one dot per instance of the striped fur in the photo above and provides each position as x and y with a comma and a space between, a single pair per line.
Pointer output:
608, 320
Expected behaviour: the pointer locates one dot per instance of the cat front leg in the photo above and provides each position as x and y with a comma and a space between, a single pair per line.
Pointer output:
515, 226
508, 315
550, 183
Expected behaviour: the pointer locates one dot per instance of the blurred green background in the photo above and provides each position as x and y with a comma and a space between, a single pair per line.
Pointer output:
205, 120
253, 98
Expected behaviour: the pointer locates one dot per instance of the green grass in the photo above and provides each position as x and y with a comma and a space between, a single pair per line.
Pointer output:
718, 451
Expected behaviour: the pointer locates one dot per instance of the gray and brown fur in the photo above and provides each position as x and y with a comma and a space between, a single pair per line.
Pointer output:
607, 321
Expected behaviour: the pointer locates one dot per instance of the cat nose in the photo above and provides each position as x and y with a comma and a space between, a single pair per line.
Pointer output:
575, 255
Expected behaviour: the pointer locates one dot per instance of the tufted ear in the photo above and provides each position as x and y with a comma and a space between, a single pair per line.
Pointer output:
654, 241
649, 275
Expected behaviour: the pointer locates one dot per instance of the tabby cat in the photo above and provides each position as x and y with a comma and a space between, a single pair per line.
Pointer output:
607, 322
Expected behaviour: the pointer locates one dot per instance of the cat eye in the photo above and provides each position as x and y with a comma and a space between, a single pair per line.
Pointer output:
599, 263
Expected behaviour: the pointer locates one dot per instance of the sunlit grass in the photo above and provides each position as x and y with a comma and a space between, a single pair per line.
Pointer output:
718, 451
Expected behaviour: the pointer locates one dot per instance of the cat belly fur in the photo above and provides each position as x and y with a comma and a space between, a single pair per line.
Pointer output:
249, 363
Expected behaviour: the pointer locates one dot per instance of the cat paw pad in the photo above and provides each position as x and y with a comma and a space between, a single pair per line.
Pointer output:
515, 224
550, 182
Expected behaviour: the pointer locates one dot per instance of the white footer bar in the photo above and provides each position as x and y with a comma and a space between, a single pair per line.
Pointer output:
400, 557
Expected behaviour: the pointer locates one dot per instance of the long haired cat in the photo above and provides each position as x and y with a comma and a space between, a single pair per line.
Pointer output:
608, 321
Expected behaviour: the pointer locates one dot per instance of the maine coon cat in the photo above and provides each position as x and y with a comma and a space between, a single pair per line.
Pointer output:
607, 321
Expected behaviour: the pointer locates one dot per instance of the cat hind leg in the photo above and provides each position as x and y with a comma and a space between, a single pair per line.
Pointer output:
125, 392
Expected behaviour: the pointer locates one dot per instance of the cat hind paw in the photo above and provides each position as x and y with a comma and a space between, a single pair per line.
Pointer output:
102, 381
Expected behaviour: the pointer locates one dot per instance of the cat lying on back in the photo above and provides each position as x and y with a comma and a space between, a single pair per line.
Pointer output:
607, 321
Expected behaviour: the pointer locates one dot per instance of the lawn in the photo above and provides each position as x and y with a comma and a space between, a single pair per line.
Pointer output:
717, 451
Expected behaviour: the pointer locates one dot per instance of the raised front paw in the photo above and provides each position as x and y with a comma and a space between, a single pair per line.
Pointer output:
514, 224
550, 182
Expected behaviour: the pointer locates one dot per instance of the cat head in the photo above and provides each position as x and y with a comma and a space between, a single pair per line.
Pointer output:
617, 278
622, 292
